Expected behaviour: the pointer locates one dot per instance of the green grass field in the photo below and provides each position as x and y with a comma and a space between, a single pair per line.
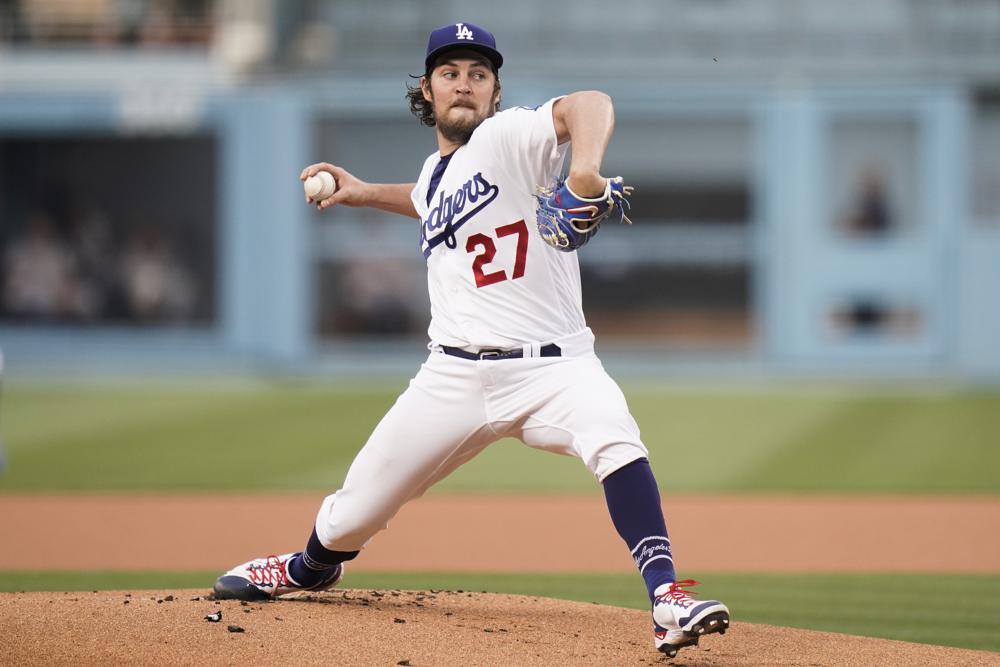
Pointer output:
276, 436
288, 436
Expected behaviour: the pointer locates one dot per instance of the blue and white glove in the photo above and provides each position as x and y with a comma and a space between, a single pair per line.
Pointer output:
566, 221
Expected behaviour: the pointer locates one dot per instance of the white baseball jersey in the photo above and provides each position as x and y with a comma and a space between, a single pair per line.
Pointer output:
493, 282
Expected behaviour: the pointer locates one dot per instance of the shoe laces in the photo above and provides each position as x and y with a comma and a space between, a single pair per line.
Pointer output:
271, 573
676, 594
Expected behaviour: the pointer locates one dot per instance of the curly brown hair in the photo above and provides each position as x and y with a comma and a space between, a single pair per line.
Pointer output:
419, 107
424, 110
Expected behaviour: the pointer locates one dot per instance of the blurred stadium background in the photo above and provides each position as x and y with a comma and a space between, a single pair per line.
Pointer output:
808, 301
818, 184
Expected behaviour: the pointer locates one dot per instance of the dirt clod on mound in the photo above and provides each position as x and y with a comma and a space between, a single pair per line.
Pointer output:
354, 627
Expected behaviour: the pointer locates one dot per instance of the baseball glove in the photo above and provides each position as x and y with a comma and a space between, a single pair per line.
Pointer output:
566, 221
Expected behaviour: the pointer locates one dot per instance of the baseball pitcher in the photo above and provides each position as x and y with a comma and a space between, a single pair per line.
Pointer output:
510, 351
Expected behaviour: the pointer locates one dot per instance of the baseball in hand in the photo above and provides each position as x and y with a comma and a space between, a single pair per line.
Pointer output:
320, 186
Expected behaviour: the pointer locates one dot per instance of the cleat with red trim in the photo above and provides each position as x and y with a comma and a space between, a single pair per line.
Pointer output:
679, 619
266, 579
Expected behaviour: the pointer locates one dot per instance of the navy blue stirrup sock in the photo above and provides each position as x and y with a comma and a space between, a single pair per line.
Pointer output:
315, 562
634, 504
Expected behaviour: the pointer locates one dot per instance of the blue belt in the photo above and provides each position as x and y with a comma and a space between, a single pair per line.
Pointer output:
550, 350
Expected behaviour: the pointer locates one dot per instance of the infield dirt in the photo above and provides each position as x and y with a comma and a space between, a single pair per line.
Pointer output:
354, 627
496, 533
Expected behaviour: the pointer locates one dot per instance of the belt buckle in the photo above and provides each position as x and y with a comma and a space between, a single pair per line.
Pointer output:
490, 354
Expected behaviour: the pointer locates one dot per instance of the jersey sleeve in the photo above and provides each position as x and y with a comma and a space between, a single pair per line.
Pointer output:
419, 192
524, 140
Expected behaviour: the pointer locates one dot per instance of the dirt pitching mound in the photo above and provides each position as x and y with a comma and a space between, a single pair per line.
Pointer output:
357, 627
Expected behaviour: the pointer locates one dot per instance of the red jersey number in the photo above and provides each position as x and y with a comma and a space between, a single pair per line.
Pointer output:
489, 250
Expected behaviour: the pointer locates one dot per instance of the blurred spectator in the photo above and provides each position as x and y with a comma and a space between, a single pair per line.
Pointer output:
107, 21
39, 280
376, 296
157, 286
9, 20
377, 293
870, 214
44, 279
96, 271
178, 22
123, 22
872, 316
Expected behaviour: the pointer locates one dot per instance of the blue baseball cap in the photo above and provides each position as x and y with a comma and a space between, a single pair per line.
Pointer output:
462, 36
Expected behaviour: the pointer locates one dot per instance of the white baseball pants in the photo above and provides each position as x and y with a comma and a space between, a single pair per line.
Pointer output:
454, 408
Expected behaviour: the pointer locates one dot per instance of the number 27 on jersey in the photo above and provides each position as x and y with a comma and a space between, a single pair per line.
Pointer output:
488, 250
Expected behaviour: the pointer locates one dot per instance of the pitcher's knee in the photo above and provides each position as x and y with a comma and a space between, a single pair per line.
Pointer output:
342, 525
608, 458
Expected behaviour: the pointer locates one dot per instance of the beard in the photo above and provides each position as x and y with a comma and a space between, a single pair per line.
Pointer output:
459, 130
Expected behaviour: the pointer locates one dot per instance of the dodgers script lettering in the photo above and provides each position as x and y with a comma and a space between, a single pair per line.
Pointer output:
450, 212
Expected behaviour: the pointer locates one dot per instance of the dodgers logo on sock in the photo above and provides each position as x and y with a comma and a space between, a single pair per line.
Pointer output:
650, 549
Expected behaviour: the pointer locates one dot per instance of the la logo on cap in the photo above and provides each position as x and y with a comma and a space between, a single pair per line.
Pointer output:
462, 35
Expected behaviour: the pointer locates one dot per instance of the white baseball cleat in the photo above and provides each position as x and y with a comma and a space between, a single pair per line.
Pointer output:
679, 619
266, 579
